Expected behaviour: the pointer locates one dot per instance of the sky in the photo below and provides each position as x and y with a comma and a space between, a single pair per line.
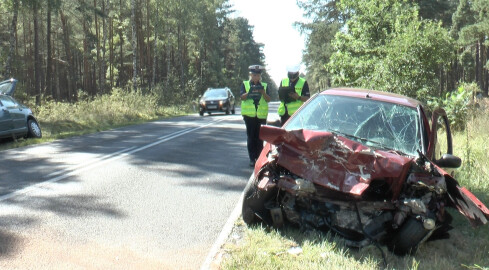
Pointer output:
273, 26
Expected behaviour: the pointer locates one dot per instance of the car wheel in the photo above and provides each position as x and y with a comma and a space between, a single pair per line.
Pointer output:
253, 209
408, 238
34, 130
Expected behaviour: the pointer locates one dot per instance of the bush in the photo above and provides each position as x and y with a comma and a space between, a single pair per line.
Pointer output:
457, 104
91, 114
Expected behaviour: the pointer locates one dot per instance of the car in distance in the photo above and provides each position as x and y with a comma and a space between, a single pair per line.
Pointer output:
217, 100
365, 165
16, 119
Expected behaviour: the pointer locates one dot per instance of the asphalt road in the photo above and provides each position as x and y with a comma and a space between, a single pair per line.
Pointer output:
150, 196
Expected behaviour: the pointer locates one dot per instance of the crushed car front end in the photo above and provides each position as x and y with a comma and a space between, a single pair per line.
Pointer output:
364, 177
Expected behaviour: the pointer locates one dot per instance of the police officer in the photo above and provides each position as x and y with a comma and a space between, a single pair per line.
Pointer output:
254, 108
297, 97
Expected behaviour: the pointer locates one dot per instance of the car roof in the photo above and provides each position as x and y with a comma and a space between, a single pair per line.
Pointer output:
212, 89
374, 95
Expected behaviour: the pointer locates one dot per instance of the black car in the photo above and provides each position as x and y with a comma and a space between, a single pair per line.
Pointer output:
16, 119
217, 100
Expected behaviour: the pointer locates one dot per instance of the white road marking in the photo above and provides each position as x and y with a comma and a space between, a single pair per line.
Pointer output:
108, 158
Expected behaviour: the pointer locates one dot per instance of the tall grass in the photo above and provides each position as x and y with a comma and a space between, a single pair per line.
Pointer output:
472, 146
467, 247
93, 114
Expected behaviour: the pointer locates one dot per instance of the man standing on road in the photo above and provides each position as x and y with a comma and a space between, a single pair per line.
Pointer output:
295, 98
254, 108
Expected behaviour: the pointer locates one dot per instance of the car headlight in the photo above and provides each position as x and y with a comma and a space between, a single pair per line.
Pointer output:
202, 103
221, 102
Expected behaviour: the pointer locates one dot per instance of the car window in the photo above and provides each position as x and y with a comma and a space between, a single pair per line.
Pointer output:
370, 122
7, 101
215, 93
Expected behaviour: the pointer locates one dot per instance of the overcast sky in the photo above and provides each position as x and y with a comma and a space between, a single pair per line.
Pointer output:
273, 26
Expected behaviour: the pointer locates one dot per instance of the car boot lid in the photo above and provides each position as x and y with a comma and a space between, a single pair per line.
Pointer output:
7, 87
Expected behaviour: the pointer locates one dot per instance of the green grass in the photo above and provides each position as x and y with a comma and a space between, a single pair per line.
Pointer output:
263, 248
467, 247
121, 108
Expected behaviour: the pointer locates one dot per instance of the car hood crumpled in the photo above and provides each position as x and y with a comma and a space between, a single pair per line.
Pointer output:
333, 161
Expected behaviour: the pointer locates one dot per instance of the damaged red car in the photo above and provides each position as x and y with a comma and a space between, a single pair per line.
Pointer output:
364, 165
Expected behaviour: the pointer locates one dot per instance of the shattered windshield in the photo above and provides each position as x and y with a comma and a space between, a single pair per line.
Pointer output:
373, 123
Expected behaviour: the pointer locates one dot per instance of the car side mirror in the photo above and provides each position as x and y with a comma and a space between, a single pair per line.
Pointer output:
449, 161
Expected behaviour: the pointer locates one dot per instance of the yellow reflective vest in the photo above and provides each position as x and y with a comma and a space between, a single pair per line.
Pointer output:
248, 106
294, 105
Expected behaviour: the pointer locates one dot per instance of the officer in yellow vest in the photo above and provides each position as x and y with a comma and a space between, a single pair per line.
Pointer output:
254, 108
296, 98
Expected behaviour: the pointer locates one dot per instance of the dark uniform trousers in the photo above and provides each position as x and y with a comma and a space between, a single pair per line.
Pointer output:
255, 145
284, 118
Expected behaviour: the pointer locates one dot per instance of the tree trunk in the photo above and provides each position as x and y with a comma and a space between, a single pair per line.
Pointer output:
148, 43
486, 89
111, 52
141, 56
180, 57
168, 66
37, 58
121, 37
97, 34
27, 67
70, 60
56, 93
105, 10
477, 64
153, 82
49, 63
86, 52
13, 31
134, 44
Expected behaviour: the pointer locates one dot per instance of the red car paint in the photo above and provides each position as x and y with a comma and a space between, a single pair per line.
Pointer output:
344, 165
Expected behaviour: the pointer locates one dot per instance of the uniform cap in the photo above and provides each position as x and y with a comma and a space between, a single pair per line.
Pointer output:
256, 69
293, 68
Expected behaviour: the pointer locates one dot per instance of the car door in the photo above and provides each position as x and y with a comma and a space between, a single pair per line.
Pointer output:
440, 149
6, 124
17, 114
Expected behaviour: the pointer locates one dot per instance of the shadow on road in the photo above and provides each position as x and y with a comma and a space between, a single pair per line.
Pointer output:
214, 157
77, 206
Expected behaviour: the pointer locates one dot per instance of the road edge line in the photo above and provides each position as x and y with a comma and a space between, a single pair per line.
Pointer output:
223, 236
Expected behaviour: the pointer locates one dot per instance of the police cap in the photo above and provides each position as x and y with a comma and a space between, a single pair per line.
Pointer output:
256, 69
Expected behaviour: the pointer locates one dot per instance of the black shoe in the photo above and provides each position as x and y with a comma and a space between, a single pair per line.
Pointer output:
252, 163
